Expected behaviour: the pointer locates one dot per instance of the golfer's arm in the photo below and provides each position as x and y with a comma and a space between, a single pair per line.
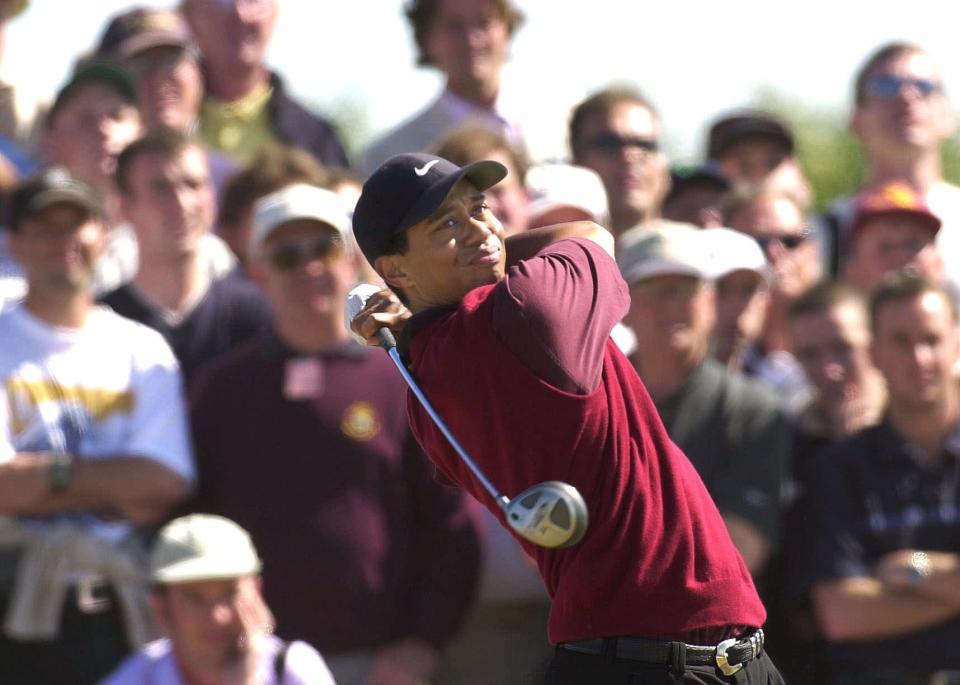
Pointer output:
862, 608
526, 244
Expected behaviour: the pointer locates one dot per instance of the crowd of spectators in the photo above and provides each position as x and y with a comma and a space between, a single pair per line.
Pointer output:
175, 254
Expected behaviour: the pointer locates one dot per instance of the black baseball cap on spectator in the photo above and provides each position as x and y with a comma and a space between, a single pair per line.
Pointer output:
141, 29
708, 175
50, 187
732, 129
405, 190
90, 70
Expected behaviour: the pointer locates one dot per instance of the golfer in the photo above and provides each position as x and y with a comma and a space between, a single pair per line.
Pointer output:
510, 341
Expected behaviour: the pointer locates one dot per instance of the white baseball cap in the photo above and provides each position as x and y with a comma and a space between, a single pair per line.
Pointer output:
297, 201
731, 250
552, 185
202, 547
669, 249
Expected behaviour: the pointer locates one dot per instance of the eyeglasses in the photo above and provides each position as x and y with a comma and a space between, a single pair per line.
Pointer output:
887, 86
290, 256
612, 143
790, 242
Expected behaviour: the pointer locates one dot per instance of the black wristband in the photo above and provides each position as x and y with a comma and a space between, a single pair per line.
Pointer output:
61, 472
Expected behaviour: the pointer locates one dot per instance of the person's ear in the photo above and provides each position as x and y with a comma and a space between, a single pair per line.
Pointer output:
392, 270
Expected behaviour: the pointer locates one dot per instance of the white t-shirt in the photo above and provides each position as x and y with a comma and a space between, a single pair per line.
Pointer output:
155, 664
112, 387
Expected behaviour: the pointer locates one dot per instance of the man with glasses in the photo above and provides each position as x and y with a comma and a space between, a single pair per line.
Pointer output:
780, 225
167, 197
731, 428
616, 132
902, 116
302, 438
247, 105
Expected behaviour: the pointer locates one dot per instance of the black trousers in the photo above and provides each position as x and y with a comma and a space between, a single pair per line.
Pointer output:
573, 668
89, 646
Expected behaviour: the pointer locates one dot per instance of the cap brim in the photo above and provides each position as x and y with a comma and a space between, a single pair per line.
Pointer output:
930, 221
56, 196
149, 40
483, 175
661, 267
195, 570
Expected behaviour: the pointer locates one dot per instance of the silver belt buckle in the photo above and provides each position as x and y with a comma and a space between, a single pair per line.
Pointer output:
725, 666
87, 600
756, 646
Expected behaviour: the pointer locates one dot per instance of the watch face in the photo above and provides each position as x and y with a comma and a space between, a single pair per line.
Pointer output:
61, 472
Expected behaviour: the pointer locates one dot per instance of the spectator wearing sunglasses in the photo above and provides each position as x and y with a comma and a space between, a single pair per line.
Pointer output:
892, 229
167, 197
780, 224
616, 132
302, 438
902, 116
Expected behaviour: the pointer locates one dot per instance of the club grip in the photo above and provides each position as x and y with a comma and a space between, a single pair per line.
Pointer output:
385, 336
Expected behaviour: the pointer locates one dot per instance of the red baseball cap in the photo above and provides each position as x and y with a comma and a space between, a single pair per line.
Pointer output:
895, 198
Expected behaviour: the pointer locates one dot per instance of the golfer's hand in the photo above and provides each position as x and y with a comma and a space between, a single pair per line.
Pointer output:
383, 310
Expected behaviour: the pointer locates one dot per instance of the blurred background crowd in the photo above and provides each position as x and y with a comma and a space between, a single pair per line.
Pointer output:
203, 477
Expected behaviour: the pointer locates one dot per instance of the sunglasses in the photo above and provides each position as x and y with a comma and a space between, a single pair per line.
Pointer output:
290, 256
790, 242
610, 142
886, 86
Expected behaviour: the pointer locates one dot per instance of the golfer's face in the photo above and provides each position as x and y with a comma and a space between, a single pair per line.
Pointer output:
458, 248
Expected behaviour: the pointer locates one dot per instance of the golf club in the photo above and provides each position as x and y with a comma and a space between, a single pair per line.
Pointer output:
549, 514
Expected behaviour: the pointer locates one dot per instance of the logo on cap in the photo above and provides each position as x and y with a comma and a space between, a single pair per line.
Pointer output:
422, 171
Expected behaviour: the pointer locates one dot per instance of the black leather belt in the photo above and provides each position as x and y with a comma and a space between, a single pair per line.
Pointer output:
729, 656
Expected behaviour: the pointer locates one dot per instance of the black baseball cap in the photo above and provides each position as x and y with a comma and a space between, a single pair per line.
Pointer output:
50, 187
94, 70
730, 130
405, 190
683, 177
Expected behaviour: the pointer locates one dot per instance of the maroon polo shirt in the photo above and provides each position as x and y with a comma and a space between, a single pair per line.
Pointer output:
526, 377
312, 454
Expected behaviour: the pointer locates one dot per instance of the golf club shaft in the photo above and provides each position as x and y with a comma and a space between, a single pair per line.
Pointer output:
390, 344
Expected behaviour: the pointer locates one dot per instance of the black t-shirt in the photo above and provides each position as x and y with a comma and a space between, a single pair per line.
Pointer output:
737, 437
872, 497
231, 311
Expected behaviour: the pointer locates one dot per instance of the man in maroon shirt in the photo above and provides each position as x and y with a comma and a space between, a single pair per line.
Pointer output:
517, 358
301, 437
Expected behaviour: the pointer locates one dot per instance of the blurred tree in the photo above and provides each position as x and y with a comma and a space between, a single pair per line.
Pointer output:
830, 154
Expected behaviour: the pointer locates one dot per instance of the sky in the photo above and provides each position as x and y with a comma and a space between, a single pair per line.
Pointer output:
694, 60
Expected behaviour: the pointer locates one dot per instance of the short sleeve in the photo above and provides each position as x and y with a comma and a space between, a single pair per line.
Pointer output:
305, 666
159, 428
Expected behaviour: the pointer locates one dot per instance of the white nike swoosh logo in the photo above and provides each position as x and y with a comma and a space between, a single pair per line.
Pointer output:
422, 171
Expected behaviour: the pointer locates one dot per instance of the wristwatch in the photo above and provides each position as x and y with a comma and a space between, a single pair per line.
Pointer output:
61, 472
920, 568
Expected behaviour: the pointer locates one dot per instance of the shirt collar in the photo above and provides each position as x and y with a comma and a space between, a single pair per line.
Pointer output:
417, 323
